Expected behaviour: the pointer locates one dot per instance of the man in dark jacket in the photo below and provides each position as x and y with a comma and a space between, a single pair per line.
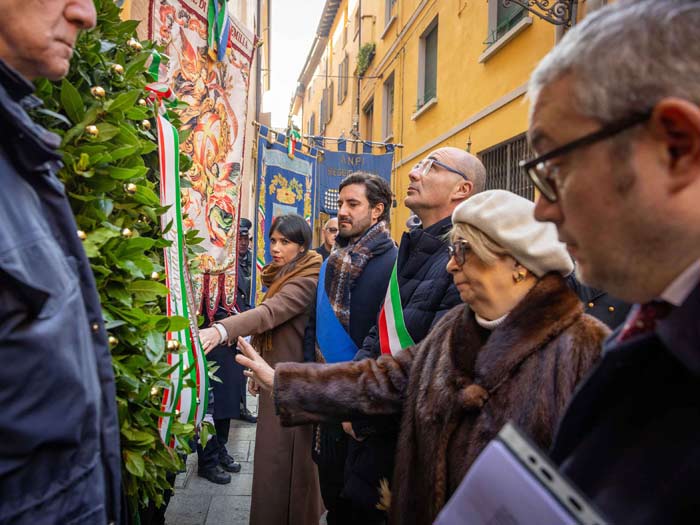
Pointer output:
621, 182
351, 290
438, 184
328, 234
228, 396
59, 434
599, 303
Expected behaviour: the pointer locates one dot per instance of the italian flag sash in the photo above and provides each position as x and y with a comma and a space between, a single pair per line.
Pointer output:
186, 398
393, 334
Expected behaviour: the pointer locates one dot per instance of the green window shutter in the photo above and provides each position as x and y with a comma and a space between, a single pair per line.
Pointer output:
430, 84
340, 83
330, 101
507, 17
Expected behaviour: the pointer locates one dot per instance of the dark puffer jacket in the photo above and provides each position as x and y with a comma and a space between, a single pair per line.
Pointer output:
59, 434
427, 293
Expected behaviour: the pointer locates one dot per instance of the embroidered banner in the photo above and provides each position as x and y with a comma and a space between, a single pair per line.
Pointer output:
285, 185
217, 95
333, 166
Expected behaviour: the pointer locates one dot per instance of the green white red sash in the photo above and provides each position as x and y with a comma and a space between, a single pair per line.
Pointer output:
393, 334
186, 398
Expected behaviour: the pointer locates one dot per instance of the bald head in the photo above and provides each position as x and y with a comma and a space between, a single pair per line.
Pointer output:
464, 162
436, 188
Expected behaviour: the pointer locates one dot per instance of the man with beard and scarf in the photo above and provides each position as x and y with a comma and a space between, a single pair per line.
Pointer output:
350, 293
438, 183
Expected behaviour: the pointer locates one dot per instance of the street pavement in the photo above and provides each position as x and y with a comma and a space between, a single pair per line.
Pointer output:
197, 501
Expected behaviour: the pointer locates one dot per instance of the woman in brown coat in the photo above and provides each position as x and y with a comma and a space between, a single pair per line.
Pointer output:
285, 479
515, 351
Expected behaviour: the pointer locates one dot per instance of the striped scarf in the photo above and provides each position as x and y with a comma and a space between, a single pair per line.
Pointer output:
347, 263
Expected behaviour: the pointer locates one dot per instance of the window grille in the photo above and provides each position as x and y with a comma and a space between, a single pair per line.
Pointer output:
502, 170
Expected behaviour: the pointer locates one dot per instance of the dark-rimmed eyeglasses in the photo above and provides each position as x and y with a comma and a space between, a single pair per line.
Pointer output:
424, 166
459, 250
332, 230
543, 173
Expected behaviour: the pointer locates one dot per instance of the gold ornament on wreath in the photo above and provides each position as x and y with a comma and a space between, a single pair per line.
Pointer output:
98, 91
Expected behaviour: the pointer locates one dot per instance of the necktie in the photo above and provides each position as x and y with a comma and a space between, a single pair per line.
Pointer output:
643, 319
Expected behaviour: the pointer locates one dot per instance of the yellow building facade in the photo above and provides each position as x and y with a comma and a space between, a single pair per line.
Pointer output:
444, 73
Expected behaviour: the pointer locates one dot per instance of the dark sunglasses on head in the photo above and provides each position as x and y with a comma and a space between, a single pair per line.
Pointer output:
459, 250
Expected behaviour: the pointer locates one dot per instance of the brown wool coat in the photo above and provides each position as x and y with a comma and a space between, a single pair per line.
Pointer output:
526, 371
285, 479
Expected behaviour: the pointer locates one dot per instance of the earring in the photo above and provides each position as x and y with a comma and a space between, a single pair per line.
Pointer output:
519, 278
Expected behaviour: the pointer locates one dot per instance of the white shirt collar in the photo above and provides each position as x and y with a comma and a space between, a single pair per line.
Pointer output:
678, 291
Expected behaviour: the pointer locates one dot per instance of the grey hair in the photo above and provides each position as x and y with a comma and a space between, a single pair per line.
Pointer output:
626, 57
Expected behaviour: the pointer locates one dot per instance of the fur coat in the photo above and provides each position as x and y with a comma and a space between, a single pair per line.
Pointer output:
455, 390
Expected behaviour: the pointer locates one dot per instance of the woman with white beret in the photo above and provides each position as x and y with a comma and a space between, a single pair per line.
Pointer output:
514, 351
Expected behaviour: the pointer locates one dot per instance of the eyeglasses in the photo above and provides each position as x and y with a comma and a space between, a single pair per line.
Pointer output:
459, 250
332, 230
424, 166
543, 173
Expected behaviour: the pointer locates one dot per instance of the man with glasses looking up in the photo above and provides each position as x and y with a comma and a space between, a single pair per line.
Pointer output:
437, 184
618, 134
329, 233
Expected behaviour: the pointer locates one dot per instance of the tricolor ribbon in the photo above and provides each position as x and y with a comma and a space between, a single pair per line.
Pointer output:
159, 91
185, 400
293, 137
154, 68
218, 28
393, 334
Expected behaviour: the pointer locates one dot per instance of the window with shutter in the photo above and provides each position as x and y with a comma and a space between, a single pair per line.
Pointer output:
343, 71
368, 112
388, 11
427, 65
430, 65
502, 19
388, 112
312, 124
322, 113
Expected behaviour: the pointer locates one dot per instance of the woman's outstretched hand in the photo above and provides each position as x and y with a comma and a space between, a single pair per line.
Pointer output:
209, 337
257, 368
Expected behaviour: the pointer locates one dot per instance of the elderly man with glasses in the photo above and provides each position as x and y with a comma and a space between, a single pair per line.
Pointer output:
437, 185
60, 460
329, 233
619, 175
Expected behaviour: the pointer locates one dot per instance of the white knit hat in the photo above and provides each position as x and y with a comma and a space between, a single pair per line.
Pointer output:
509, 220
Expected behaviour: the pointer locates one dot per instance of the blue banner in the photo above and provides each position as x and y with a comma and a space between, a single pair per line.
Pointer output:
333, 166
285, 185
